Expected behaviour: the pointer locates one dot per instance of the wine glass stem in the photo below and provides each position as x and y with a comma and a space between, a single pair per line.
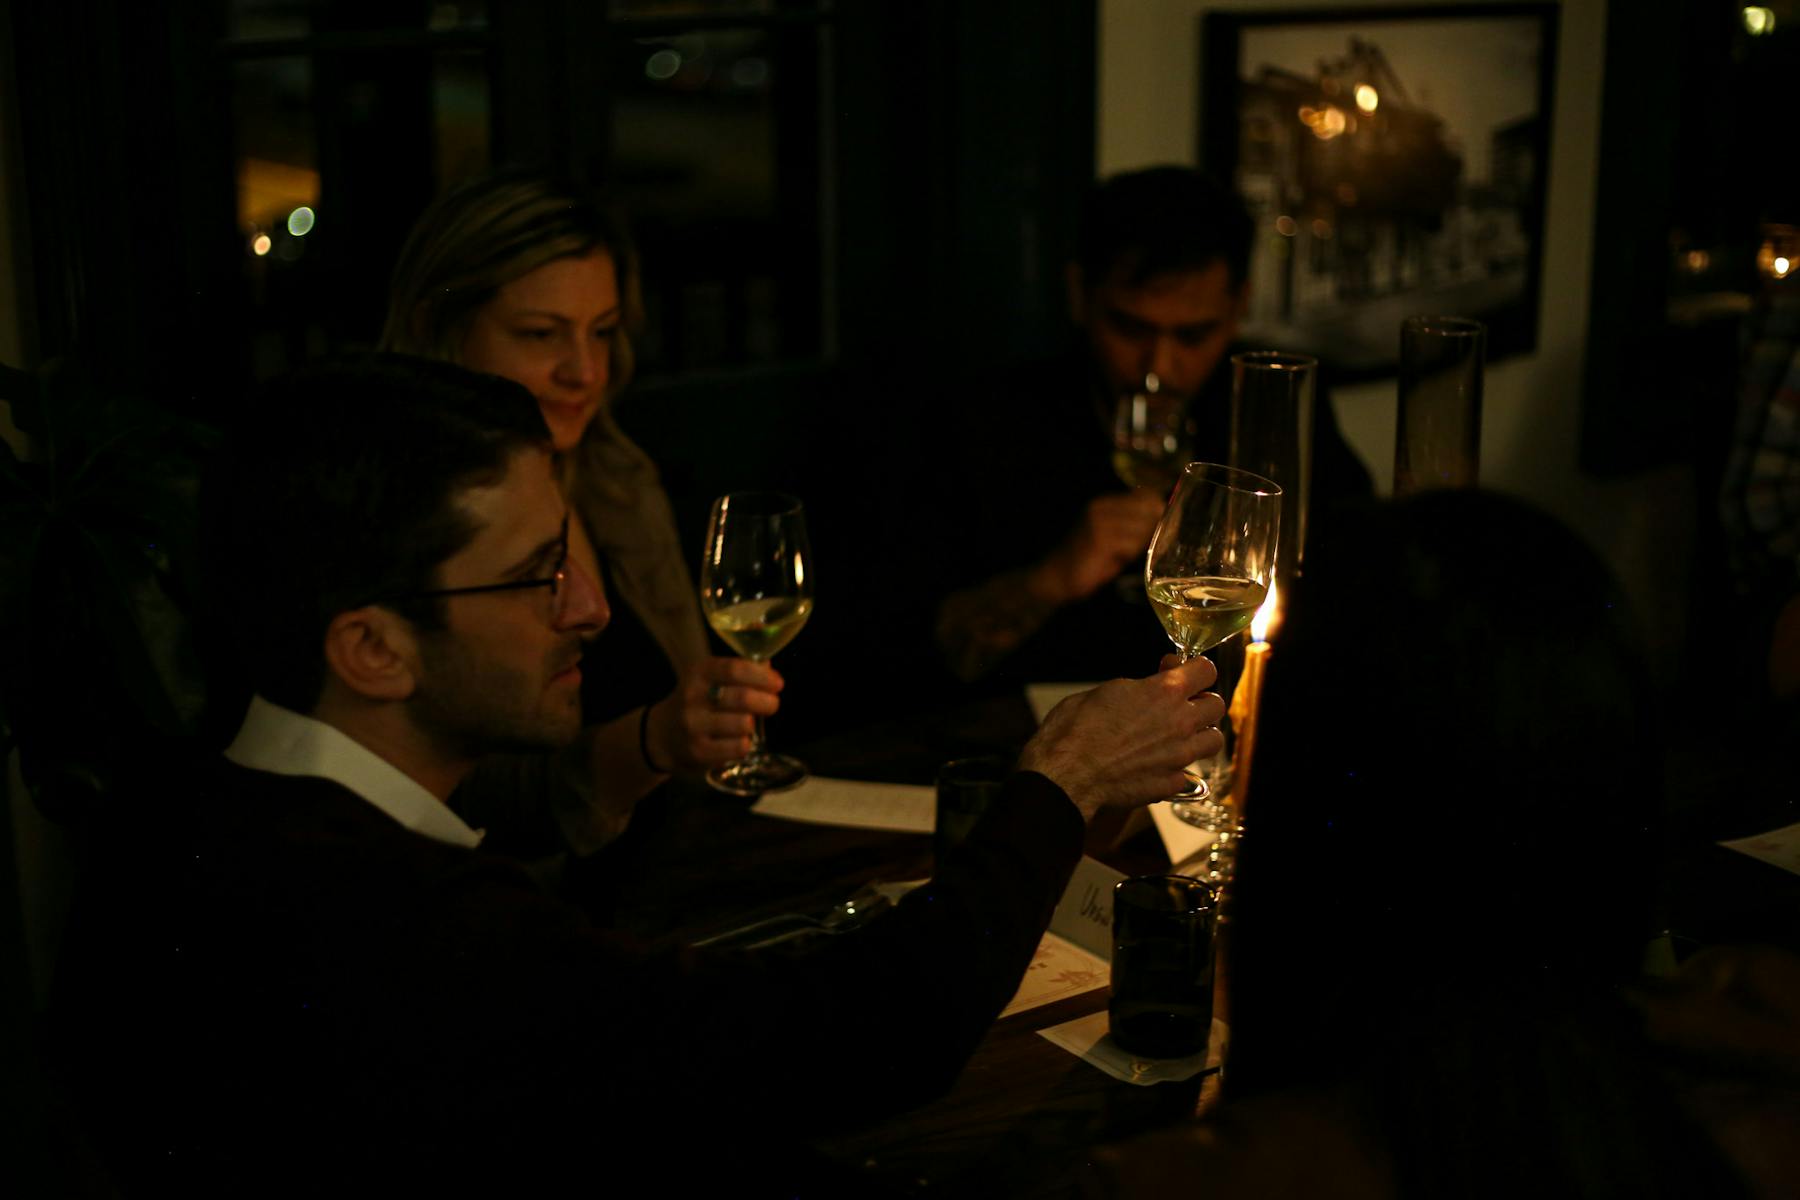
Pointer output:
758, 739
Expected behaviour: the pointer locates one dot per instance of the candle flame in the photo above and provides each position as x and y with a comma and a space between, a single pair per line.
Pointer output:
1268, 616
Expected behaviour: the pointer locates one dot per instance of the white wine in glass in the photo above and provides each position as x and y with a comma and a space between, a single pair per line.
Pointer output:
1211, 560
756, 589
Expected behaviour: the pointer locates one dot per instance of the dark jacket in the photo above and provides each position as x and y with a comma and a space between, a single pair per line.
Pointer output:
278, 988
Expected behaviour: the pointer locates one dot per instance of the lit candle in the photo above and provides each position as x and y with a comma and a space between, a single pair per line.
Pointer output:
1248, 697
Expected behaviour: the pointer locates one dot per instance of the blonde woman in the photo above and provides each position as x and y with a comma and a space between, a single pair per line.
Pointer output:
518, 275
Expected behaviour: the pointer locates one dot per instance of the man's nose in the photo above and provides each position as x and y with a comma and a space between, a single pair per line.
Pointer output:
581, 602
1160, 362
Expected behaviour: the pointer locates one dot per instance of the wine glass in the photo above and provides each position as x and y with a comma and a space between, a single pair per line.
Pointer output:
756, 589
1210, 564
1149, 438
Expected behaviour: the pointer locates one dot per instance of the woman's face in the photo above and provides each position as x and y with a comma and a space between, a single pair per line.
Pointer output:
552, 331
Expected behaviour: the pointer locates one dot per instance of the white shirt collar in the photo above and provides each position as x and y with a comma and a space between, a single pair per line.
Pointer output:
283, 742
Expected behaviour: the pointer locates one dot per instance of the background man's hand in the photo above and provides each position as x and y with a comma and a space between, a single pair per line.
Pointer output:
1124, 743
1114, 532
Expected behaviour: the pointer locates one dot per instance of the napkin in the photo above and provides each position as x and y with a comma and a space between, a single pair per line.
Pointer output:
903, 808
1087, 1038
1778, 847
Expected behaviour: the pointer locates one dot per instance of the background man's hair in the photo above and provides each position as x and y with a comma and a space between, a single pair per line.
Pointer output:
337, 487
1141, 224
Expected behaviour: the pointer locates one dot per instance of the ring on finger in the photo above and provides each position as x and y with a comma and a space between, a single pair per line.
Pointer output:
715, 693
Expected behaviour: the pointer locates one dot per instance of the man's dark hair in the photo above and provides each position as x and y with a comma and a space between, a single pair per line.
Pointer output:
1160, 220
337, 487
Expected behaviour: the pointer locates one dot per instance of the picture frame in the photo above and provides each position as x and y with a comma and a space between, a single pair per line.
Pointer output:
1394, 161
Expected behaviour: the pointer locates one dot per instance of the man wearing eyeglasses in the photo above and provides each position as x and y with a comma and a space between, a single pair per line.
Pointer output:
302, 972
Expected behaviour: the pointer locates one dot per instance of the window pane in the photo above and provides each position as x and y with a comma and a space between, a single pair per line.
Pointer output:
336, 157
461, 108
277, 156
715, 139
278, 203
253, 20
690, 8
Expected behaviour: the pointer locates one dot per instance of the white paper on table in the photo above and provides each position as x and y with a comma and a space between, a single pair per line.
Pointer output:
1045, 696
1084, 914
1058, 970
903, 808
1088, 1039
1778, 847
1075, 955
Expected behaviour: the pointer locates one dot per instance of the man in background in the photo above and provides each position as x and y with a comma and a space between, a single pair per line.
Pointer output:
1038, 525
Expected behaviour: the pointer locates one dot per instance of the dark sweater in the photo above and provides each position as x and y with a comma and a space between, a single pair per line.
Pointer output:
281, 988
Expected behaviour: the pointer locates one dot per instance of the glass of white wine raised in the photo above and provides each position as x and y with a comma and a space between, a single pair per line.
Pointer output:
756, 589
1211, 561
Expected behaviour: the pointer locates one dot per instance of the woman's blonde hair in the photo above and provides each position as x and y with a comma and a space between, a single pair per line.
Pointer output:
483, 234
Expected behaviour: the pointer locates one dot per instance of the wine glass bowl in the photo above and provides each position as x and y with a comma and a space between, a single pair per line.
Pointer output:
756, 590
1149, 437
1211, 560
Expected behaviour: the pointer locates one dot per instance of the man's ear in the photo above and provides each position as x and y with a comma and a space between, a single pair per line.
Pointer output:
1076, 285
373, 652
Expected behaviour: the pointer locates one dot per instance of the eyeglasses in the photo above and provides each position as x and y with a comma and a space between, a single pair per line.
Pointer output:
553, 581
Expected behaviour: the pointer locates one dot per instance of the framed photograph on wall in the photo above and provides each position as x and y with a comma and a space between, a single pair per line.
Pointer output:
1394, 160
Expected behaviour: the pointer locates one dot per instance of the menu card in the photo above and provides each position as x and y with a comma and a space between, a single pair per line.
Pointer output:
1075, 955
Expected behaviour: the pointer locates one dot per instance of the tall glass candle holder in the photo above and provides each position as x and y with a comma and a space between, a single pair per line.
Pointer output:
1437, 441
1272, 436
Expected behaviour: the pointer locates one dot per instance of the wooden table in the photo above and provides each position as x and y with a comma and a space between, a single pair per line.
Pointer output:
1021, 1116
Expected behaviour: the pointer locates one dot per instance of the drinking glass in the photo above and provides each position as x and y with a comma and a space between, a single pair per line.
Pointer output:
1162, 965
1272, 396
1149, 438
756, 589
1437, 442
1211, 561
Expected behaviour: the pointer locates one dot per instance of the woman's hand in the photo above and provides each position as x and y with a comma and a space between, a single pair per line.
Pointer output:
707, 720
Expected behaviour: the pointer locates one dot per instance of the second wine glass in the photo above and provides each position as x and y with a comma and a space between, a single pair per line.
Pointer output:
1149, 437
1212, 559
756, 589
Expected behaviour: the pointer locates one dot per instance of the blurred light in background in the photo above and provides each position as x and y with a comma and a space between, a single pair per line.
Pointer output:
1758, 20
1780, 251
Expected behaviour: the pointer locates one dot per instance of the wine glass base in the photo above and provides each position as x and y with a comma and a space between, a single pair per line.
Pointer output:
1200, 812
758, 774
1217, 862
